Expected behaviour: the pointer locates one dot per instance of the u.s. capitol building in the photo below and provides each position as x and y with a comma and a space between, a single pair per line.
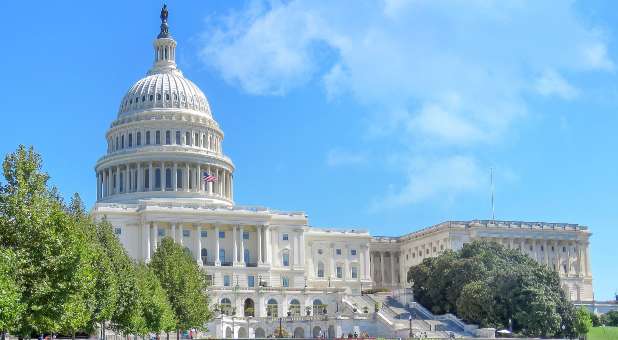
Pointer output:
265, 264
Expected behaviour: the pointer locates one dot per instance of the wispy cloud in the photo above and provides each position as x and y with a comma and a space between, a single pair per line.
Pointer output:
551, 83
442, 77
339, 157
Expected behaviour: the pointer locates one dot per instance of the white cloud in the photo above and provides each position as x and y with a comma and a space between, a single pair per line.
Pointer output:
338, 157
432, 178
551, 83
439, 76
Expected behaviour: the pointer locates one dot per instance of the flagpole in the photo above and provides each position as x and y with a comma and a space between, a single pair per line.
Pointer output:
491, 180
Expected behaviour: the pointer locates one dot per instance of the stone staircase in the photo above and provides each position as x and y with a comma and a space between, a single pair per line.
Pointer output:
423, 321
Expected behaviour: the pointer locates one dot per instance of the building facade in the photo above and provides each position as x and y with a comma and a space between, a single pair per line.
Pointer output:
165, 175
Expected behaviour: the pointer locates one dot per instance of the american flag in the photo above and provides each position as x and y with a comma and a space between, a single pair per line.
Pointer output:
209, 178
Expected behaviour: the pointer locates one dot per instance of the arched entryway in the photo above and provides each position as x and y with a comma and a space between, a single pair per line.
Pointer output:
242, 333
331, 332
260, 333
299, 332
294, 307
228, 333
226, 306
249, 308
318, 307
272, 308
317, 331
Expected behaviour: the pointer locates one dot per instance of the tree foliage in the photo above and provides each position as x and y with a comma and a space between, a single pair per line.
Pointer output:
487, 284
63, 272
184, 283
10, 291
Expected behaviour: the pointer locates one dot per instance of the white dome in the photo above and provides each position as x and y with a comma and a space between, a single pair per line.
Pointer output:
164, 90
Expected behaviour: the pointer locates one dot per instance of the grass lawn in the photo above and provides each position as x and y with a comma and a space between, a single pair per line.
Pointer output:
603, 333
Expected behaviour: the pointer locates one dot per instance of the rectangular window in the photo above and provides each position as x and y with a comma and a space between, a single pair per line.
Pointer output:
161, 232
147, 137
353, 252
130, 140
338, 251
186, 233
222, 234
285, 237
285, 281
354, 272
118, 231
138, 139
122, 142
286, 260
339, 272
196, 138
226, 280
168, 138
187, 138
204, 233
250, 281
178, 137
245, 235
147, 178
157, 137
222, 255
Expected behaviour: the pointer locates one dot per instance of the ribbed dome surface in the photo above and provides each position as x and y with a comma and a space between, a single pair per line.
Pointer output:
165, 90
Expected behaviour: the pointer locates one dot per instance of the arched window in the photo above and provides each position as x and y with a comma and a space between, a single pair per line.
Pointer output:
122, 142
147, 137
285, 258
321, 269
318, 307
130, 140
204, 254
151, 97
177, 137
158, 96
226, 306
294, 307
138, 138
157, 178
167, 96
158, 137
272, 308
168, 137
196, 139
168, 178
188, 138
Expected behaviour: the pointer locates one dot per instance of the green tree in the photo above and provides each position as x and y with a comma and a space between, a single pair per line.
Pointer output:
156, 309
487, 284
10, 291
126, 316
54, 271
103, 247
583, 322
610, 318
184, 283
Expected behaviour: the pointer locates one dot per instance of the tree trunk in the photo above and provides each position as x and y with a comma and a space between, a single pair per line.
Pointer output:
178, 334
167, 336
73, 335
3, 335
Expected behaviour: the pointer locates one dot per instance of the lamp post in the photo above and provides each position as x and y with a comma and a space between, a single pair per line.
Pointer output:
280, 329
410, 319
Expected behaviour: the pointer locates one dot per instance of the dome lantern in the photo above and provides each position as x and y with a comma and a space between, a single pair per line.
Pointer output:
164, 48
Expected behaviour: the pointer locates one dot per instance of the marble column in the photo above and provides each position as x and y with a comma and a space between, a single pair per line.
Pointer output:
217, 259
186, 183
301, 249
163, 177
175, 176
153, 238
259, 229
198, 244
242, 246
235, 257
173, 232
393, 276
180, 238
140, 175
150, 177
146, 241
382, 281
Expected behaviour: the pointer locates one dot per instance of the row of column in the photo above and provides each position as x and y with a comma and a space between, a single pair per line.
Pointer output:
379, 264
142, 137
151, 237
141, 177
576, 256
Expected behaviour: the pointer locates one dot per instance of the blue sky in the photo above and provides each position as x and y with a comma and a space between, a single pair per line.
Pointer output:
381, 115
